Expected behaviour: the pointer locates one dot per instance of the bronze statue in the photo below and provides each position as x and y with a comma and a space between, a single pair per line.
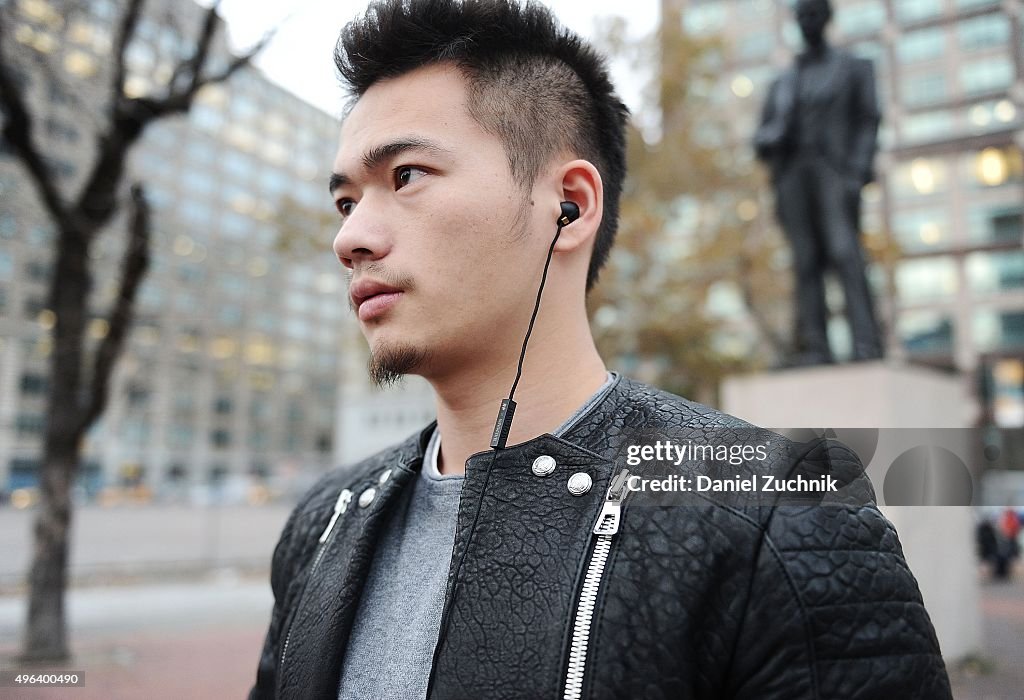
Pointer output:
818, 134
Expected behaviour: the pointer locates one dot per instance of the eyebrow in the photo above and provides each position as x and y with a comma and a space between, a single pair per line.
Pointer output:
379, 154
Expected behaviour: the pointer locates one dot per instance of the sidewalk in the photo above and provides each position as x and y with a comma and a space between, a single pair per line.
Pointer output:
179, 641
202, 640
999, 674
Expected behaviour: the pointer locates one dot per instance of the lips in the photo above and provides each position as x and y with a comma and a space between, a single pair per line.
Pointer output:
372, 298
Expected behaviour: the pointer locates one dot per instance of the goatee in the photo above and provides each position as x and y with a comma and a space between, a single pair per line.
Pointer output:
389, 363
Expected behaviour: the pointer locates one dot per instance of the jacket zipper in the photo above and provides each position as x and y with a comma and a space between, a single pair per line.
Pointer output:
607, 526
344, 498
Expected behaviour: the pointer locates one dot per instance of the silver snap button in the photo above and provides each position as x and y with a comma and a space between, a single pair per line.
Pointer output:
580, 483
366, 497
384, 476
543, 465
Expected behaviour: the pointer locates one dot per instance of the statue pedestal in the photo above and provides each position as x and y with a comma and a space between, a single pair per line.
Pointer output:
938, 541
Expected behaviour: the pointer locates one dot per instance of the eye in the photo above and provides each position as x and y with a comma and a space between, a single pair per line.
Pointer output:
407, 174
345, 207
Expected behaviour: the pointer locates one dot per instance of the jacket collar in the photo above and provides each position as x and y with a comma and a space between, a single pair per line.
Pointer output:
586, 432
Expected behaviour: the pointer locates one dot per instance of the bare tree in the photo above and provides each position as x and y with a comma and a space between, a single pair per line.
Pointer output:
78, 395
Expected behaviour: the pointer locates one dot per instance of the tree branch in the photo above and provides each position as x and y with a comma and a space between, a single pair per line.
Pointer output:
125, 32
133, 270
17, 131
131, 116
181, 101
192, 67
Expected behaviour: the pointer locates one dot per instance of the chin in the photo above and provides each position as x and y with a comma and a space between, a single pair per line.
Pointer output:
390, 361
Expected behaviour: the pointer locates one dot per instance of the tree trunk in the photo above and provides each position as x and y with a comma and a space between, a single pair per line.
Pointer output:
46, 628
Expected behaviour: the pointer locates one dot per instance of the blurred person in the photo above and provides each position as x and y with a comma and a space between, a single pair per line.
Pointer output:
992, 548
479, 173
1009, 531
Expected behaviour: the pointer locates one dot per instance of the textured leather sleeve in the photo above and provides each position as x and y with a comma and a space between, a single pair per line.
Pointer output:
833, 610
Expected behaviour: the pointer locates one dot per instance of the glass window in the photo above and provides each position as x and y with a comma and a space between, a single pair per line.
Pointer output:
197, 213
995, 271
927, 279
30, 424
233, 284
917, 231
917, 10
206, 117
191, 274
923, 88
33, 384
37, 270
860, 18
705, 18
925, 332
230, 315
756, 45
987, 75
983, 116
299, 301
998, 330
922, 45
199, 152
926, 126
920, 177
988, 224
983, 32
971, 4
199, 181
220, 438
40, 235
180, 435
298, 327
274, 180
239, 166
8, 224
6, 265
992, 167
151, 295
244, 107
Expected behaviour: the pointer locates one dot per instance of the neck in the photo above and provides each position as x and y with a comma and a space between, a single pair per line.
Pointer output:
562, 369
816, 49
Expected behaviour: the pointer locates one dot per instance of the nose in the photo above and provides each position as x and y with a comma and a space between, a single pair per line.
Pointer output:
363, 237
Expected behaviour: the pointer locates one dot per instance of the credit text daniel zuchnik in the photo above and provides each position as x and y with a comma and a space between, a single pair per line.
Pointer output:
764, 483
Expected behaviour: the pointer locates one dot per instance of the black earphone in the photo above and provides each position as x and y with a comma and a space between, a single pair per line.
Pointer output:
503, 424
570, 212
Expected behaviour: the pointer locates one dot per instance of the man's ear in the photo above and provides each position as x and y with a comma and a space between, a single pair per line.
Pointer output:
579, 182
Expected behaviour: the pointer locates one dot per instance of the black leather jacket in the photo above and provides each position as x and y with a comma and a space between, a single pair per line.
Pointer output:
709, 598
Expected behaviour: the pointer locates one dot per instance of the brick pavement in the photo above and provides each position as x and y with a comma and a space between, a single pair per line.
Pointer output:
214, 663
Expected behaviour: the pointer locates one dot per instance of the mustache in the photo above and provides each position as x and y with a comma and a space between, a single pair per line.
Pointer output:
383, 274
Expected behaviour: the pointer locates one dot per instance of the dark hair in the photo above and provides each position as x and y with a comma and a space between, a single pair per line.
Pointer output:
532, 83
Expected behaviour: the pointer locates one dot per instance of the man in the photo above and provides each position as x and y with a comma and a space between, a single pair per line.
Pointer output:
818, 133
538, 569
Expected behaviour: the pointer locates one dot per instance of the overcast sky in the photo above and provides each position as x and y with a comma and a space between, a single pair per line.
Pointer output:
300, 60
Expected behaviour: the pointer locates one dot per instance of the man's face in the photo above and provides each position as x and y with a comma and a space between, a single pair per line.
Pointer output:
434, 227
812, 16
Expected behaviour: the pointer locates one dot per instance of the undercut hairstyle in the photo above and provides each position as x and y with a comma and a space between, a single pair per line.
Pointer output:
536, 86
